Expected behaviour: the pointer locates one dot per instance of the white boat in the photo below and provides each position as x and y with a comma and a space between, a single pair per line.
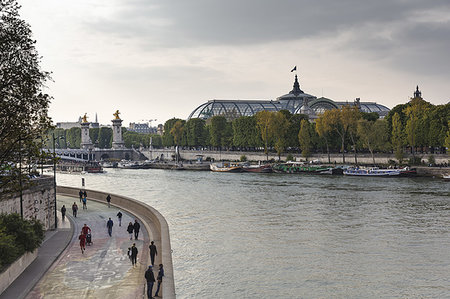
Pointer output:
446, 176
374, 171
225, 167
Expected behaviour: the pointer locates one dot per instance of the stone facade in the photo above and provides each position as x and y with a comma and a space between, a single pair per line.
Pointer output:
117, 134
38, 202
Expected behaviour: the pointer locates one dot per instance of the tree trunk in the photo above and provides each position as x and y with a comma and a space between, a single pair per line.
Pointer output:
328, 152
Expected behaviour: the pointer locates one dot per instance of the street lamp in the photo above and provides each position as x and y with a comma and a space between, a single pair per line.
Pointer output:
54, 173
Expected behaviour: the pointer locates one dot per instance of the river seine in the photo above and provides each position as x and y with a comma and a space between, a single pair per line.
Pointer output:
249, 235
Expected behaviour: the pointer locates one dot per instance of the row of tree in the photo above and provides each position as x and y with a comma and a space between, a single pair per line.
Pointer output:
415, 126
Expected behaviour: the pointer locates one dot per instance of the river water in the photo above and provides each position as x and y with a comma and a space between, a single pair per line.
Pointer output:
248, 235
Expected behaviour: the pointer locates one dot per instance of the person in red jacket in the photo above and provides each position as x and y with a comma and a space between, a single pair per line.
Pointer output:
82, 239
85, 229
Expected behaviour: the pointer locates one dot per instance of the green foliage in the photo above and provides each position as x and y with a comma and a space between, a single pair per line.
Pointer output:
279, 128
243, 158
104, 137
18, 236
290, 157
304, 137
370, 116
245, 133
73, 137
196, 132
178, 132
431, 160
220, 131
135, 139
93, 134
167, 138
23, 104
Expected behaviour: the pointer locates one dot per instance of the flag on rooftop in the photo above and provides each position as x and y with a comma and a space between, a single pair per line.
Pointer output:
294, 69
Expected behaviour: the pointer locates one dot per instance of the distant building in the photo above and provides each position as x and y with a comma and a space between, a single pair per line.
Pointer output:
69, 125
142, 128
296, 101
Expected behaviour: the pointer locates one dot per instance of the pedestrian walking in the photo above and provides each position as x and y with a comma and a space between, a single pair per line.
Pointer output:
150, 277
86, 229
119, 216
159, 278
81, 194
84, 193
129, 253
130, 229
82, 238
109, 225
108, 199
84, 203
63, 212
153, 252
134, 253
136, 228
74, 209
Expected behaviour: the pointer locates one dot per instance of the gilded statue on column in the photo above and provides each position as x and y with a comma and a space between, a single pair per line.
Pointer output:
116, 114
85, 118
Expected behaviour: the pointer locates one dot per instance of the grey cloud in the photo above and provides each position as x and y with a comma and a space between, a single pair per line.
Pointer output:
206, 22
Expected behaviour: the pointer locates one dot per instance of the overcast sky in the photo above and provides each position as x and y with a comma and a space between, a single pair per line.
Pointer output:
161, 59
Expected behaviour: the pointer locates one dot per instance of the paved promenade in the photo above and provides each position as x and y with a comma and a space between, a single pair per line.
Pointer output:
104, 270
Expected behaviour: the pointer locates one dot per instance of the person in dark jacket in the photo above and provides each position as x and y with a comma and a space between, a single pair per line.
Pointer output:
153, 252
119, 216
74, 209
150, 277
63, 212
81, 194
136, 228
134, 253
159, 278
108, 200
109, 225
130, 229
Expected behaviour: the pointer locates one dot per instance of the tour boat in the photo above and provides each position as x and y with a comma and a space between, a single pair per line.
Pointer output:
446, 177
225, 167
374, 171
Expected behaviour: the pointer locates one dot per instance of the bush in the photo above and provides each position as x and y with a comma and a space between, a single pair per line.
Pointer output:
431, 160
415, 161
290, 157
243, 158
18, 236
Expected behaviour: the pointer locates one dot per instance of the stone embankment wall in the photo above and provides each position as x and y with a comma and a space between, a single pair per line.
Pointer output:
258, 156
38, 202
154, 222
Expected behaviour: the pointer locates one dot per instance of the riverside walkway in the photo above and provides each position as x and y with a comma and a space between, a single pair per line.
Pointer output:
104, 270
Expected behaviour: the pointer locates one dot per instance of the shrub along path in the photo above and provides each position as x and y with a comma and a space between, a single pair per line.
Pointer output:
54, 243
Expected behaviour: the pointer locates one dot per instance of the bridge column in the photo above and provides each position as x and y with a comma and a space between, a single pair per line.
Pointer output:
85, 139
117, 133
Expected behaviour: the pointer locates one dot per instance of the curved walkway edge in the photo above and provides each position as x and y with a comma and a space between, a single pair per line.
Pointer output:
154, 222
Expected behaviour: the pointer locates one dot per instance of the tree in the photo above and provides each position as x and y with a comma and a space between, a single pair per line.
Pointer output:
398, 137
73, 137
263, 122
177, 132
195, 132
349, 119
218, 131
23, 105
447, 139
105, 137
93, 134
332, 121
304, 138
324, 131
279, 129
245, 132
373, 135
167, 137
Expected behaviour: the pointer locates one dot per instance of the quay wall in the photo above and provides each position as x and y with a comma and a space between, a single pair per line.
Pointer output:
147, 215
260, 156
38, 201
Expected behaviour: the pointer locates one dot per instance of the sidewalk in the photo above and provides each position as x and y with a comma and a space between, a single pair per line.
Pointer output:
103, 271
